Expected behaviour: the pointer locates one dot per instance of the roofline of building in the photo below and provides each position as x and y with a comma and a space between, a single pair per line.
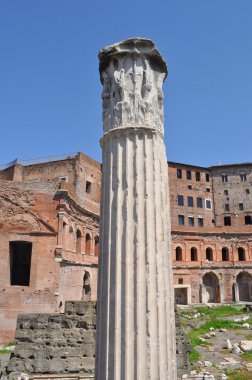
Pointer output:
210, 167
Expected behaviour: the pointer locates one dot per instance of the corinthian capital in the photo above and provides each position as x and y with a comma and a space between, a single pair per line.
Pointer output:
132, 73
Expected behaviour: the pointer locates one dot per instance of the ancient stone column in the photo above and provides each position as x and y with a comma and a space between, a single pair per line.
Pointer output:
135, 323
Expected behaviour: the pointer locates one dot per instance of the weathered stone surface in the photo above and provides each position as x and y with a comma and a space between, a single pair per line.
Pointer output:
54, 346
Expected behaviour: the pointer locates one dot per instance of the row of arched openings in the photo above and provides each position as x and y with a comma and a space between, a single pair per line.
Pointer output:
209, 254
88, 243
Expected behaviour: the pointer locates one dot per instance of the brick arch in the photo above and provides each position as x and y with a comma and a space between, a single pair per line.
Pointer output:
244, 281
211, 285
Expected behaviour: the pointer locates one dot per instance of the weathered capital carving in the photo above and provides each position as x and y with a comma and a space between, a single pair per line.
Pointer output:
132, 73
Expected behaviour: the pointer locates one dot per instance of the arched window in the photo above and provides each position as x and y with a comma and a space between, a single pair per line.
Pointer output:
194, 254
78, 241
178, 254
209, 254
225, 254
241, 254
86, 294
96, 245
88, 244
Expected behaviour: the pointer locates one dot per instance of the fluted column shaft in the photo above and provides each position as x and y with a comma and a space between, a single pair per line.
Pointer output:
135, 322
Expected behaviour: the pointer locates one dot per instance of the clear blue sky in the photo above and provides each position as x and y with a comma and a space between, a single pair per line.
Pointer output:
50, 100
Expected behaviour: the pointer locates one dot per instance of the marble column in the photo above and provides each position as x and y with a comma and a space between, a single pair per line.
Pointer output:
135, 321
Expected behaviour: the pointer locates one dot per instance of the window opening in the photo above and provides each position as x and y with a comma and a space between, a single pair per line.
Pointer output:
20, 262
243, 177
88, 244
227, 207
179, 173
88, 187
180, 200
180, 281
207, 177
224, 178
197, 176
225, 192
96, 245
188, 174
190, 201
178, 254
241, 207
209, 254
199, 203
194, 254
191, 221
225, 254
227, 220
78, 241
248, 219
200, 222
208, 204
241, 254
181, 220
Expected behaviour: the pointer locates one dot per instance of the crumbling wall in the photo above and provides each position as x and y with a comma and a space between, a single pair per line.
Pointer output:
55, 343
183, 348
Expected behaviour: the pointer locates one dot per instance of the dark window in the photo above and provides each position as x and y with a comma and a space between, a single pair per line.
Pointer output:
180, 200
224, 178
181, 220
178, 254
227, 207
20, 262
243, 177
208, 189
247, 191
207, 177
88, 244
96, 239
191, 220
248, 219
189, 187
78, 241
86, 286
241, 208
88, 187
188, 174
194, 254
225, 254
241, 254
179, 173
180, 280
208, 204
200, 222
209, 254
227, 220
197, 176
190, 201
225, 192
199, 202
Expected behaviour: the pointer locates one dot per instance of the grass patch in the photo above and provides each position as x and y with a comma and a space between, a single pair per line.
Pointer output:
194, 335
218, 311
247, 356
239, 374
249, 337
194, 356
5, 351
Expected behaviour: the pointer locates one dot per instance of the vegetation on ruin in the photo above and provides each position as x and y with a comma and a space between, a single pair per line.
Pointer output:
238, 374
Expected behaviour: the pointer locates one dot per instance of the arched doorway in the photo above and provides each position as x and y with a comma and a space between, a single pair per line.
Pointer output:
244, 281
211, 288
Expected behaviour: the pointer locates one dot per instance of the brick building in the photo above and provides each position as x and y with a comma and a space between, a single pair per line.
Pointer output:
49, 234
211, 232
